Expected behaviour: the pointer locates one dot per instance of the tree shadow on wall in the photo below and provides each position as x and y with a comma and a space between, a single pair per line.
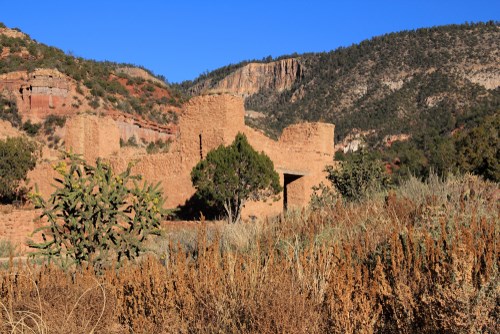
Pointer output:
195, 206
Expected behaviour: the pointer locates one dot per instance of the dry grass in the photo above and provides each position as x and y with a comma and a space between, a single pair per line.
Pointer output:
423, 259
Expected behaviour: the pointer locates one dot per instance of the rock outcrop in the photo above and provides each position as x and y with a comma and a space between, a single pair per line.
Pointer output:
41, 93
7, 130
45, 92
251, 78
488, 77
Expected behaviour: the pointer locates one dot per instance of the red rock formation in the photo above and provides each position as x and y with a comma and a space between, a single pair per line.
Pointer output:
40, 93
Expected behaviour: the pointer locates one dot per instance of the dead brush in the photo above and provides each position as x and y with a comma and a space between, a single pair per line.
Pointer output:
37, 300
422, 262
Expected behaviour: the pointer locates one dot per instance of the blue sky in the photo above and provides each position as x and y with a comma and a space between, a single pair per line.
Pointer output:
182, 39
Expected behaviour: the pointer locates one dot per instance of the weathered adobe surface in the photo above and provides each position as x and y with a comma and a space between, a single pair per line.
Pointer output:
249, 79
17, 225
206, 122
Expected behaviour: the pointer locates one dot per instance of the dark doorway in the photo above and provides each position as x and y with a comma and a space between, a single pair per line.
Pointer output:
201, 148
288, 179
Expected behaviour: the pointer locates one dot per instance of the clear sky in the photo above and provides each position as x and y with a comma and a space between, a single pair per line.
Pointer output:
182, 39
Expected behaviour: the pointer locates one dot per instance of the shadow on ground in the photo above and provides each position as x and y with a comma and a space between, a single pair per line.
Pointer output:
195, 207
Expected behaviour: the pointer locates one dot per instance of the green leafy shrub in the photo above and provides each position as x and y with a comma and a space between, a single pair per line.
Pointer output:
9, 112
18, 156
158, 146
478, 149
51, 122
149, 88
232, 175
31, 128
357, 176
94, 103
95, 215
323, 197
132, 142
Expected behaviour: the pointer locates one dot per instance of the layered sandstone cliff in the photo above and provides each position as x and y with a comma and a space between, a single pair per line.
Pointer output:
251, 78
42, 92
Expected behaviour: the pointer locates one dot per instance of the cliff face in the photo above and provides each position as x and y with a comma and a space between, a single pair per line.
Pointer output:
251, 78
39, 93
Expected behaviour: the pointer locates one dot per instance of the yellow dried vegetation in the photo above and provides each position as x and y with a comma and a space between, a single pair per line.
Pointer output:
421, 259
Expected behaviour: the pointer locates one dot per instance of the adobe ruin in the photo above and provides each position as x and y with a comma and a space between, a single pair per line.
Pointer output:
299, 156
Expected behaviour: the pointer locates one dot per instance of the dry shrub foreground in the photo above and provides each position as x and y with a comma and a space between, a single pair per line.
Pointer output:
424, 259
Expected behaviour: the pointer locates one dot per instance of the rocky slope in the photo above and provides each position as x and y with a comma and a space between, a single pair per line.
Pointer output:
38, 81
390, 85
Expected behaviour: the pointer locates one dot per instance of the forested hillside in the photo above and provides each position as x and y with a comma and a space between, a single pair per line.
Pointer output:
425, 84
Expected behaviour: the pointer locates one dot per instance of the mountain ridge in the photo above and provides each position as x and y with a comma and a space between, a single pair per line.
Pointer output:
343, 86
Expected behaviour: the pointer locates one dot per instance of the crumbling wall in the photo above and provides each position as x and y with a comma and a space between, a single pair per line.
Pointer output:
92, 136
217, 118
16, 225
303, 149
170, 169
42, 177
205, 123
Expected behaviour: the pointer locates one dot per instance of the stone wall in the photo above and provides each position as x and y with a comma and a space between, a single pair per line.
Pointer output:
17, 225
92, 136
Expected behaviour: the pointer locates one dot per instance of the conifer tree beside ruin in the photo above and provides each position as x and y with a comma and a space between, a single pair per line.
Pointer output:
232, 175
18, 156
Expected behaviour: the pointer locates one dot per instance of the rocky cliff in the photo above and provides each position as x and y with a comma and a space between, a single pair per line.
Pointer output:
253, 77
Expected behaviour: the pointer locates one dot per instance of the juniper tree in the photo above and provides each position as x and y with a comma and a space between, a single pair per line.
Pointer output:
17, 156
232, 175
